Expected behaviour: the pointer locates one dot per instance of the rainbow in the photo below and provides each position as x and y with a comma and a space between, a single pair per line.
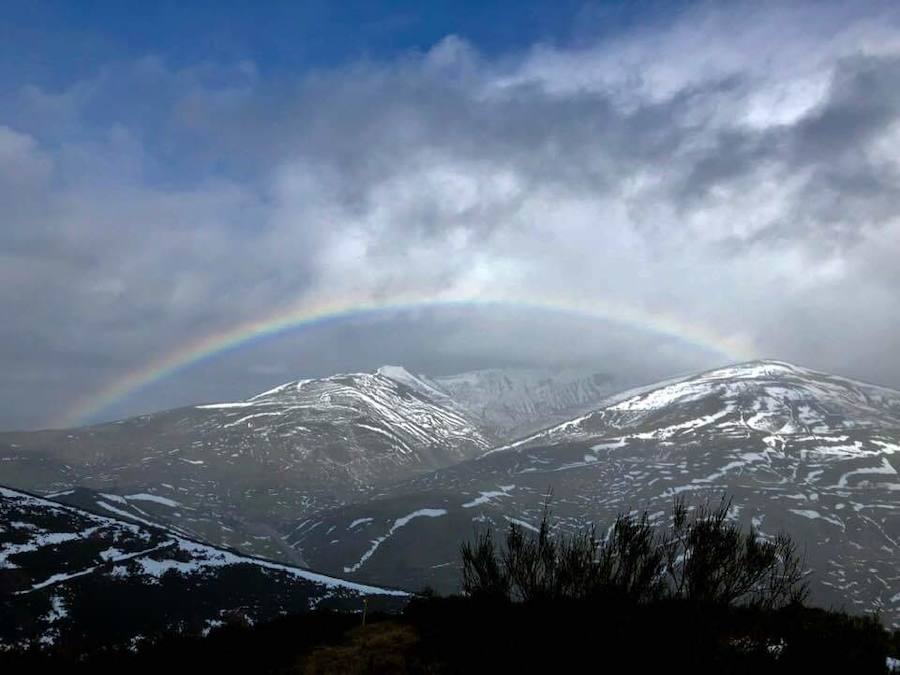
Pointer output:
309, 314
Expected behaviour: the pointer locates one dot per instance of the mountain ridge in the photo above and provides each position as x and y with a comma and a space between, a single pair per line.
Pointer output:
813, 454
237, 473
744, 371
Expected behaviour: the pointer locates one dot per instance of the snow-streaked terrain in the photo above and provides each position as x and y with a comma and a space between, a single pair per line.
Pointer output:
238, 473
514, 402
65, 572
235, 473
810, 453
380, 476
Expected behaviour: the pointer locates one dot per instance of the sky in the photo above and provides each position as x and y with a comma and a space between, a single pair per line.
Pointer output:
169, 171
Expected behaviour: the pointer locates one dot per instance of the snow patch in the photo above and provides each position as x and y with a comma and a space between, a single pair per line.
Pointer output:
111, 553
814, 515
57, 609
143, 496
250, 417
487, 496
522, 523
270, 392
884, 469
216, 406
400, 522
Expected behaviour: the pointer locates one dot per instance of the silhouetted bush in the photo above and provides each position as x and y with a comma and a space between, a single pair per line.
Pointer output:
483, 576
702, 557
710, 560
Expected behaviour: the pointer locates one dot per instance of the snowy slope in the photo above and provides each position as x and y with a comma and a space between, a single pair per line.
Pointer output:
68, 576
513, 402
767, 396
239, 473
234, 473
811, 453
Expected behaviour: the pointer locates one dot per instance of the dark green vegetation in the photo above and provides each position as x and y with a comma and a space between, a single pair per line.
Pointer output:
699, 594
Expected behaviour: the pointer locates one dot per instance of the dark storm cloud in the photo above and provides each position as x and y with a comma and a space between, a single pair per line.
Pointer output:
735, 168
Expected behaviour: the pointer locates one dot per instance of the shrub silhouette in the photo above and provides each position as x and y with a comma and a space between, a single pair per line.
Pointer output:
483, 576
710, 560
702, 557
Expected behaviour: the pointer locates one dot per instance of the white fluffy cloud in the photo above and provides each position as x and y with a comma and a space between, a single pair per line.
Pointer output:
735, 168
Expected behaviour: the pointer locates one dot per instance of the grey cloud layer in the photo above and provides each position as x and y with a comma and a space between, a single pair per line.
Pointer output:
737, 168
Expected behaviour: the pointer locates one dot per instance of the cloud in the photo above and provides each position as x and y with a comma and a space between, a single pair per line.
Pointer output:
734, 166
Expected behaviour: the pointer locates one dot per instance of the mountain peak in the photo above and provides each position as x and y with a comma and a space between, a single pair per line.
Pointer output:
759, 367
397, 373
801, 451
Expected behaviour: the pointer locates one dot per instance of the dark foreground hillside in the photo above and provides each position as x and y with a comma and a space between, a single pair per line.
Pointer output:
699, 595
74, 580
461, 635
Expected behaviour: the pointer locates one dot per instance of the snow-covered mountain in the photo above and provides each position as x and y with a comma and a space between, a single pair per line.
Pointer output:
777, 398
514, 402
379, 476
238, 473
233, 473
810, 453
70, 578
